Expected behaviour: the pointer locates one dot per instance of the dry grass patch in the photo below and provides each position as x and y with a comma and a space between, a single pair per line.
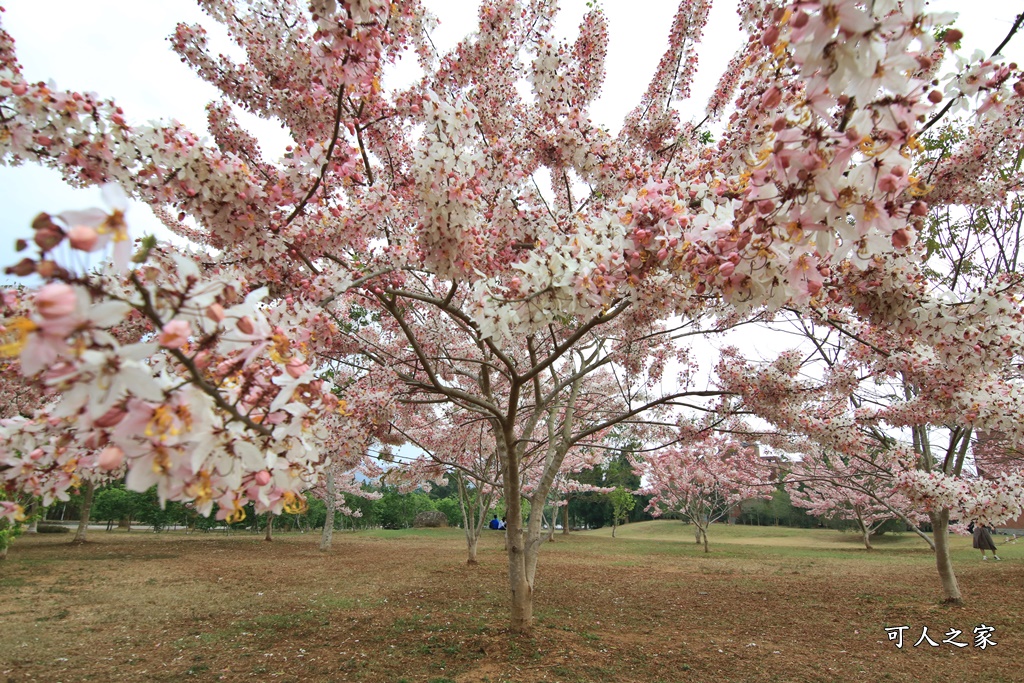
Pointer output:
649, 606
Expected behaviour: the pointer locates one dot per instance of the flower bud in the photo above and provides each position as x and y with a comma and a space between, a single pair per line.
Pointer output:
215, 312
901, 238
43, 221
175, 334
110, 458
296, 368
110, 418
56, 300
771, 98
48, 238
953, 35
83, 238
46, 269
25, 266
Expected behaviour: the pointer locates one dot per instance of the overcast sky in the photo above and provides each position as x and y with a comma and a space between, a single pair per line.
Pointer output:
119, 49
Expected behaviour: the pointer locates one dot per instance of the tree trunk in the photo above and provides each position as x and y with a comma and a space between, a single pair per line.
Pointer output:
704, 536
269, 536
125, 523
865, 532
331, 502
614, 526
565, 518
33, 517
471, 544
519, 580
696, 533
474, 508
83, 522
943, 561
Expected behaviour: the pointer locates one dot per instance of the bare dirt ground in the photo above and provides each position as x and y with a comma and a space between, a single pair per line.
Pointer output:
646, 607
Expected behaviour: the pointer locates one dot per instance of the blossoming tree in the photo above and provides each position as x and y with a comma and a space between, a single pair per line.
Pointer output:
827, 485
421, 206
705, 481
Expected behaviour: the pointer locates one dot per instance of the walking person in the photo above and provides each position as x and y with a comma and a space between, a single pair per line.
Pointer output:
983, 540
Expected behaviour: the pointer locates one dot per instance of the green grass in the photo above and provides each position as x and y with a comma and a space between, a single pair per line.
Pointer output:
672, 537
646, 606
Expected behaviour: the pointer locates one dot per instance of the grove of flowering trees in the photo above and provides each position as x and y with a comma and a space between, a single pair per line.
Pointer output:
473, 242
704, 482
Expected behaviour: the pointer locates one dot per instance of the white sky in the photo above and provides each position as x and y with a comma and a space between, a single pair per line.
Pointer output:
119, 49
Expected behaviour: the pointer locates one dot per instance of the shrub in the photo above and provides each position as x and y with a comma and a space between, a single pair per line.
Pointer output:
430, 518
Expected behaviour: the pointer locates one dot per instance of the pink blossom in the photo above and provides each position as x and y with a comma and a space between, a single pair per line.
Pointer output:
175, 334
110, 458
296, 368
83, 237
56, 300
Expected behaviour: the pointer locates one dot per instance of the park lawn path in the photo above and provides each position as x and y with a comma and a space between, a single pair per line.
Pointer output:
646, 607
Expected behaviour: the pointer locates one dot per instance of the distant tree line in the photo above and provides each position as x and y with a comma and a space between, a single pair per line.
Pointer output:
120, 508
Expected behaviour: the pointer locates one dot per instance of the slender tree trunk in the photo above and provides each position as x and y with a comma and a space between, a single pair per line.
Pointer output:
867, 537
83, 522
519, 581
614, 526
471, 545
269, 536
704, 536
328, 533
865, 531
565, 518
696, 533
943, 561
474, 507
33, 515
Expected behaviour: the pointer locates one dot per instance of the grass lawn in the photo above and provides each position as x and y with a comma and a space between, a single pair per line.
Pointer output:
766, 604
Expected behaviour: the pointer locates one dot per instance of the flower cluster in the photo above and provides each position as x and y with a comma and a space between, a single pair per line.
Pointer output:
986, 501
212, 399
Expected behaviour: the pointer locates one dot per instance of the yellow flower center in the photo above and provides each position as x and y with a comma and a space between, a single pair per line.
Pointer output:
293, 504
162, 424
237, 516
115, 225
14, 336
200, 488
